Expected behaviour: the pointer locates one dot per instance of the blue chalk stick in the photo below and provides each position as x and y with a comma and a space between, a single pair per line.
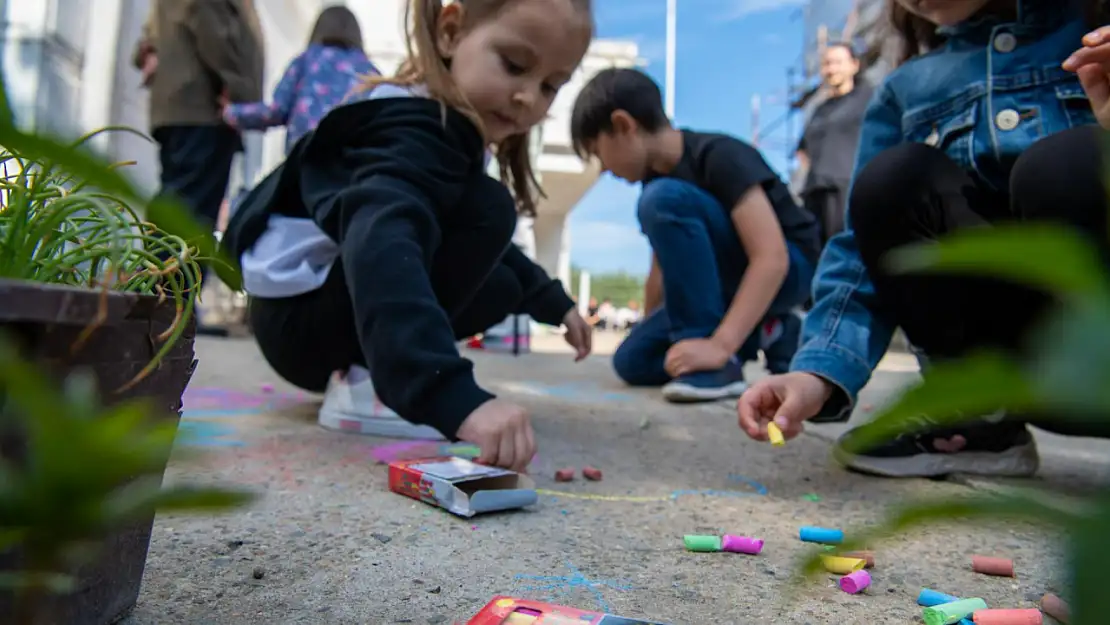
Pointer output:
821, 535
929, 598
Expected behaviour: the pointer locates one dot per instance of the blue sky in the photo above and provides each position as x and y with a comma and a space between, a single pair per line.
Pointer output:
726, 52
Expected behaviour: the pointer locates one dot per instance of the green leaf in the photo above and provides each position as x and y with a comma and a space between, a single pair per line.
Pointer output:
1054, 258
24, 580
951, 393
146, 495
1073, 363
173, 218
1090, 551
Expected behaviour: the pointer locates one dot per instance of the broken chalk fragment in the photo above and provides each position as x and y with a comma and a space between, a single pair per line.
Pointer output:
564, 475
774, 434
591, 473
822, 535
986, 565
741, 544
866, 556
1056, 607
949, 613
702, 543
267, 388
1027, 616
855, 582
841, 565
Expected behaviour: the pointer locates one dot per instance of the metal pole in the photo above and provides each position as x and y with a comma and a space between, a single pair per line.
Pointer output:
672, 16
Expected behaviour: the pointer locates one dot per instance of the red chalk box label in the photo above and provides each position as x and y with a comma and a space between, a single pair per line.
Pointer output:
514, 611
460, 486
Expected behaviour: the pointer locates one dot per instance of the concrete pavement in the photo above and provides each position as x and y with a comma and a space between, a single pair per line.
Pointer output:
328, 543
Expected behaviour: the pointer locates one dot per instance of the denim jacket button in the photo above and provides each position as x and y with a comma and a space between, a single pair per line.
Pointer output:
1007, 119
1005, 42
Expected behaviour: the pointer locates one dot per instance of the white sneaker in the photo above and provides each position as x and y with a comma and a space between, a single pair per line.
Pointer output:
351, 405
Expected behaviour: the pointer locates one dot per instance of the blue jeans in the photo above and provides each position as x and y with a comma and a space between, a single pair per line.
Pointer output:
702, 261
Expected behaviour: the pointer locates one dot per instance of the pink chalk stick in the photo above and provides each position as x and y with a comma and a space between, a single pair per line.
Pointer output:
741, 544
855, 582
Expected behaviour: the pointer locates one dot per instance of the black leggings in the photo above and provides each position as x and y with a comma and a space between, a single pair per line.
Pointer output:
914, 193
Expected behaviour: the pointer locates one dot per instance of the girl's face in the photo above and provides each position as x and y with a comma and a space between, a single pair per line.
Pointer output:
511, 66
943, 12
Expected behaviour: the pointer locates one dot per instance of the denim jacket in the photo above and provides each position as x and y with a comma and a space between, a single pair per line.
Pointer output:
990, 91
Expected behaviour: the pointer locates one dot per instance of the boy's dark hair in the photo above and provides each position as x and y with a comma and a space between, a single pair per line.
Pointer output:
846, 45
615, 89
337, 27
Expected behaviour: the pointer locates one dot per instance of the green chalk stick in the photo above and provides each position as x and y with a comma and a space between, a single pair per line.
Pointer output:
702, 543
949, 613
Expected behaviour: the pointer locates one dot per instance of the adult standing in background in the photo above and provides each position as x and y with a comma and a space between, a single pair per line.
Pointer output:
828, 146
194, 54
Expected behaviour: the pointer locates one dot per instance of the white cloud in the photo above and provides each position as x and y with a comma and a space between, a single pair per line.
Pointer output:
742, 8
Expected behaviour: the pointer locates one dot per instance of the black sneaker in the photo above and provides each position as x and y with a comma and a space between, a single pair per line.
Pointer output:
997, 449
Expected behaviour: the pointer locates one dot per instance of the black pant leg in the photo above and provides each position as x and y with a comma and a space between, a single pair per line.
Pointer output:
196, 167
1060, 179
306, 338
911, 194
827, 206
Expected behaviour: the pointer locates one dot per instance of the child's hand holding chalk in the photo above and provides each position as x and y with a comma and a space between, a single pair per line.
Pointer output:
785, 400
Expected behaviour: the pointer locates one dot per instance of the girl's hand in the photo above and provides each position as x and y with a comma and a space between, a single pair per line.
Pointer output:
579, 334
693, 355
503, 432
1092, 64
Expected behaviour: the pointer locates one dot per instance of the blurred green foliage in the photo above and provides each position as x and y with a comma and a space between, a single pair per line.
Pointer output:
1067, 376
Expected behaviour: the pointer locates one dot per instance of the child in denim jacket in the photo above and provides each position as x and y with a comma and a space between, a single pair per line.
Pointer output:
314, 83
984, 121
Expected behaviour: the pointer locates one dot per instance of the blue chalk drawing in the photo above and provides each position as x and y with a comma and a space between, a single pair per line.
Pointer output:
576, 392
196, 433
567, 583
759, 488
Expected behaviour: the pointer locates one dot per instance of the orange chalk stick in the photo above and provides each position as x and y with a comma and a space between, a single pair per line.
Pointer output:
866, 556
564, 475
1056, 607
592, 473
986, 565
1029, 616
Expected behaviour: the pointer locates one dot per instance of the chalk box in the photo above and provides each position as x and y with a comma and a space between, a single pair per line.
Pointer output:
460, 486
513, 611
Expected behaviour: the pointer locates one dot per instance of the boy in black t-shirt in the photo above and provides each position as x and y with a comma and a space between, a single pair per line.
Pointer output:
732, 253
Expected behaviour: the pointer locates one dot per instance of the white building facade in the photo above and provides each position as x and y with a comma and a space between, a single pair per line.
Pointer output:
67, 68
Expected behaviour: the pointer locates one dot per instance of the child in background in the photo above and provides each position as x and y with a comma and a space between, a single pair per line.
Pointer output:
314, 83
983, 122
730, 246
382, 240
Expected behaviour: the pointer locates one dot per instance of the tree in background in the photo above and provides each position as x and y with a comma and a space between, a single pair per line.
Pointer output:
619, 287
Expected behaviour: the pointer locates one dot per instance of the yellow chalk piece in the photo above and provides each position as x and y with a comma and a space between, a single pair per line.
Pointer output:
775, 434
841, 565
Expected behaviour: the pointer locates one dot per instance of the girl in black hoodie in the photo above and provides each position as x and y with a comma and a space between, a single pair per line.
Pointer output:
381, 240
